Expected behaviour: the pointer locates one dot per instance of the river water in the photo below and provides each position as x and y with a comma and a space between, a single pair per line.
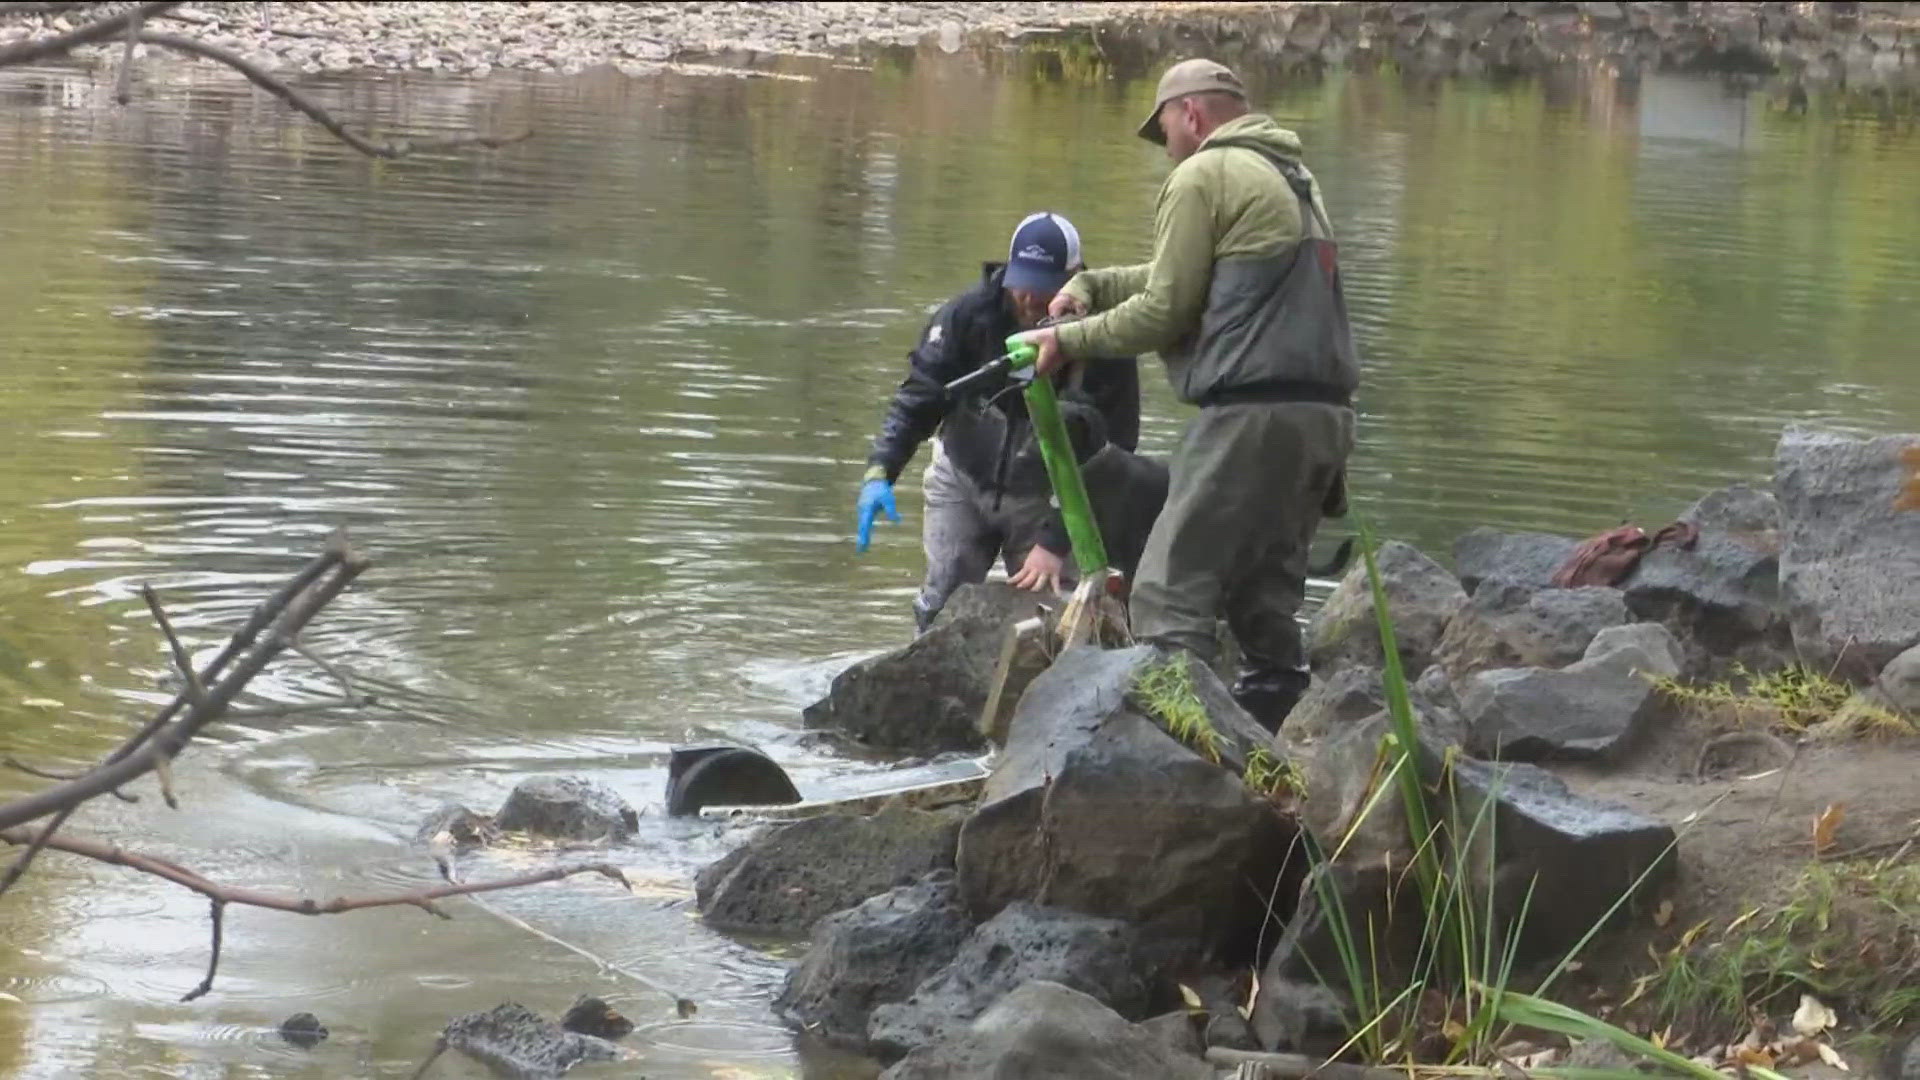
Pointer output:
597, 404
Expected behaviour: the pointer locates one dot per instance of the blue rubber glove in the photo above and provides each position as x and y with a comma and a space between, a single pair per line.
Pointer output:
875, 496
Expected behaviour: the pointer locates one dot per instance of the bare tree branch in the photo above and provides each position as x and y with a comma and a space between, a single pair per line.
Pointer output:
222, 895
423, 898
160, 738
34, 49
131, 24
123, 80
303, 708
262, 616
333, 671
182, 662
54, 774
325, 119
219, 914
20, 865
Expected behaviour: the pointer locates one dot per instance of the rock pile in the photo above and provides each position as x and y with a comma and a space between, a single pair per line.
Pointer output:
1127, 846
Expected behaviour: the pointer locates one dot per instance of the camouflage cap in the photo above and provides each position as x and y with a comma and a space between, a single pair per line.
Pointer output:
1188, 77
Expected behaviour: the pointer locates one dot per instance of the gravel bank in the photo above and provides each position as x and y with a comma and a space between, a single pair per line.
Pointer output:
475, 37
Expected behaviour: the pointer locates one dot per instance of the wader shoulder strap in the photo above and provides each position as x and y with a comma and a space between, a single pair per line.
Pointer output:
1298, 179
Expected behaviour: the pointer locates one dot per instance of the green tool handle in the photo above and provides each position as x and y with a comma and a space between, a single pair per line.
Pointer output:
1056, 450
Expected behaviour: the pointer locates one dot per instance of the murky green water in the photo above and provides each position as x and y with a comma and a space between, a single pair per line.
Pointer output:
597, 405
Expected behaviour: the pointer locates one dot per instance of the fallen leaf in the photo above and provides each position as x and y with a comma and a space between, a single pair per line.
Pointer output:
1831, 1056
1742, 920
4, 996
1665, 915
1753, 1055
42, 703
1639, 987
1192, 999
1540, 1059
1692, 935
1253, 994
1825, 825
1659, 1038
1812, 1018
1454, 1031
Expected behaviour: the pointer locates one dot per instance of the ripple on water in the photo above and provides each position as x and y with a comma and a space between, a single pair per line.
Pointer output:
52, 989
732, 1037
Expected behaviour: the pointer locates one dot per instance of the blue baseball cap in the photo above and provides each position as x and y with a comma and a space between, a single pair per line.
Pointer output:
1044, 255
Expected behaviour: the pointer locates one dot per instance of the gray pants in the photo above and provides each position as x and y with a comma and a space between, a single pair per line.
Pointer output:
1248, 485
966, 528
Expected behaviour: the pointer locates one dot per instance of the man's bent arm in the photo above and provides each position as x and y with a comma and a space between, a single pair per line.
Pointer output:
920, 402
1108, 287
1169, 304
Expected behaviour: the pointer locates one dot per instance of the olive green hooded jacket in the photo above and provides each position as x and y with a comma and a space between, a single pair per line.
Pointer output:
1226, 226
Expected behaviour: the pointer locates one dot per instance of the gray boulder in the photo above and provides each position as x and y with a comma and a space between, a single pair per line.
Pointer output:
453, 825
513, 1040
1899, 683
1176, 1030
1654, 639
926, 698
1301, 1017
873, 954
1526, 559
1558, 859
1591, 710
1903, 1060
1082, 755
1097, 957
1519, 829
789, 877
1722, 597
1333, 704
1422, 598
567, 808
1044, 1030
1849, 561
1382, 897
1507, 625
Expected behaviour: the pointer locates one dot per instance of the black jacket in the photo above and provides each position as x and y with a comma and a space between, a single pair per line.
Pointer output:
986, 432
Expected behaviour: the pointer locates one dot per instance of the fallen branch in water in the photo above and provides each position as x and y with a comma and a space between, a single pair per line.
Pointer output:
130, 25
222, 895
205, 695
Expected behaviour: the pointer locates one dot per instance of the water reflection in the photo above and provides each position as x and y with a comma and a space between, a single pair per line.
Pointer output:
596, 404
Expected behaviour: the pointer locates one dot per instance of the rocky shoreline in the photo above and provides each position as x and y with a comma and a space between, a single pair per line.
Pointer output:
1870, 45
1581, 714
456, 37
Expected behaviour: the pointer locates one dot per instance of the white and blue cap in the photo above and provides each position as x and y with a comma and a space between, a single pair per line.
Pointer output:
1044, 255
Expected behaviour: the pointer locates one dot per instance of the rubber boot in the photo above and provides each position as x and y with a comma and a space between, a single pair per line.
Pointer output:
923, 618
1270, 694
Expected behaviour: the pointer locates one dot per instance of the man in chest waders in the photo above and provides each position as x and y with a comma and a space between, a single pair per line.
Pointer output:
1242, 301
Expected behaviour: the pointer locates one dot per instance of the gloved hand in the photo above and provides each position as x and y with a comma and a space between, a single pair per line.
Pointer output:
875, 495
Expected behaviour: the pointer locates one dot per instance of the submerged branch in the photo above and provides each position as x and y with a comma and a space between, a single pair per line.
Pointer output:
285, 615
222, 895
